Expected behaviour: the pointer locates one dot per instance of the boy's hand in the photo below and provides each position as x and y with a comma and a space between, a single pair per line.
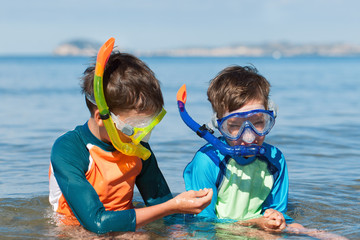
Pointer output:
192, 202
273, 220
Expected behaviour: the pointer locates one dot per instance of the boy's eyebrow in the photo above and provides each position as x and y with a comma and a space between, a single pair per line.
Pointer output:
249, 108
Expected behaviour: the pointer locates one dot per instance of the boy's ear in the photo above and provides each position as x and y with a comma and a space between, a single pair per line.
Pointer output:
97, 118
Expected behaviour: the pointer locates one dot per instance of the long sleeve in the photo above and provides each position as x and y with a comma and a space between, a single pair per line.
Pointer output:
278, 197
202, 173
151, 182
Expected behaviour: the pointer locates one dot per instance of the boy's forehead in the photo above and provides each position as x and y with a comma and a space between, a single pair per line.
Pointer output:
133, 113
250, 105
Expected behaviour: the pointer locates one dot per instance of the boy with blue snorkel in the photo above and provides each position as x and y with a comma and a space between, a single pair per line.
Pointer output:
95, 167
248, 176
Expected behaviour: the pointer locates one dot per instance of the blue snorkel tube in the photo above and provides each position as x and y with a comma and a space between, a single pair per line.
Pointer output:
207, 133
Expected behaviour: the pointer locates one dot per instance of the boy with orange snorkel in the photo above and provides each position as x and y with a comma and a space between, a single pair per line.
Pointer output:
95, 167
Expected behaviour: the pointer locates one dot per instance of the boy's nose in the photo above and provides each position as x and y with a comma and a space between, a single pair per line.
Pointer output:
248, 136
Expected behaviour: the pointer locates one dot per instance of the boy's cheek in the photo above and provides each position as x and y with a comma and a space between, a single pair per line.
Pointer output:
260, 140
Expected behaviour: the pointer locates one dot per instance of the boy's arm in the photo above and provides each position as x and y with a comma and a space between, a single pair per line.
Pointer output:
192, 202
69, 166
199, 174
151, 182
271, 221
278, 197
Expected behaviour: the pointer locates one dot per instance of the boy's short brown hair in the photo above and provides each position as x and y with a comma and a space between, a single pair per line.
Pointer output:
128, 84
234, 86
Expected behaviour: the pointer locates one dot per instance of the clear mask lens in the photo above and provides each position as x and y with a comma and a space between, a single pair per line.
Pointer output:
139, 122
233, 125
138, 128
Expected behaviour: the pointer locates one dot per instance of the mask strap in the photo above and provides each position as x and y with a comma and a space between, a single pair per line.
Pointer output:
91, 98
213, 122
272, 106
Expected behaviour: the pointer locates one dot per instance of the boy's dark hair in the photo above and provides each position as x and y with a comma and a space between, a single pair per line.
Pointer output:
128, 84
234, 86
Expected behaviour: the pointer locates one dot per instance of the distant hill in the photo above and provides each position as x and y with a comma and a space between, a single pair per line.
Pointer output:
77, 48
275, 50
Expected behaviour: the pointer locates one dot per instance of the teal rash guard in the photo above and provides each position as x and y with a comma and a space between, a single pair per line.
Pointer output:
241, 192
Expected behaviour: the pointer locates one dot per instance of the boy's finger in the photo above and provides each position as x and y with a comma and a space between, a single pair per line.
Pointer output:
282, 226
200, 193
206, 200
209, 194
281, 218
206, 196
267, 212
273, 223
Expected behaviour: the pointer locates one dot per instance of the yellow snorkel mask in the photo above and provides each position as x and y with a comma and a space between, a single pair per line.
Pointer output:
108, 118
139, 128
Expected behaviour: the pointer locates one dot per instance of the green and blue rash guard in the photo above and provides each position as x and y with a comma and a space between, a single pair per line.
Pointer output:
77, 164
241, 192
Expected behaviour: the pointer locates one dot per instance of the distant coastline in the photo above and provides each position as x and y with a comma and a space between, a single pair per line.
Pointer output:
77, 47
274, 49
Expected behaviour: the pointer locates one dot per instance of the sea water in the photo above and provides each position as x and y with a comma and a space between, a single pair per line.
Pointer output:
317, 129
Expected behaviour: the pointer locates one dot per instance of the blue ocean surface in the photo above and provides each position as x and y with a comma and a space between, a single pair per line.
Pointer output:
317, 129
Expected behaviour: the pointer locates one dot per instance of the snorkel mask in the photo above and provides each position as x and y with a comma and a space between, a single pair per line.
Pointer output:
207, 133
139, 128
246, 125
130, 149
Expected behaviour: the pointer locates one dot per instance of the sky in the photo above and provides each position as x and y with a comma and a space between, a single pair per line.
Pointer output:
39, 26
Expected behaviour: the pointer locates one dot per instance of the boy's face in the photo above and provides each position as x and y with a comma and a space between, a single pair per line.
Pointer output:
248, 137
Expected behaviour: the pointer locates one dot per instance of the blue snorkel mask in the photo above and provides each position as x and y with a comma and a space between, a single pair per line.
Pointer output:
246, 125
207, 133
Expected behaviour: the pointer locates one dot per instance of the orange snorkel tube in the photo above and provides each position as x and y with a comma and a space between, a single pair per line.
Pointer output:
129, 149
